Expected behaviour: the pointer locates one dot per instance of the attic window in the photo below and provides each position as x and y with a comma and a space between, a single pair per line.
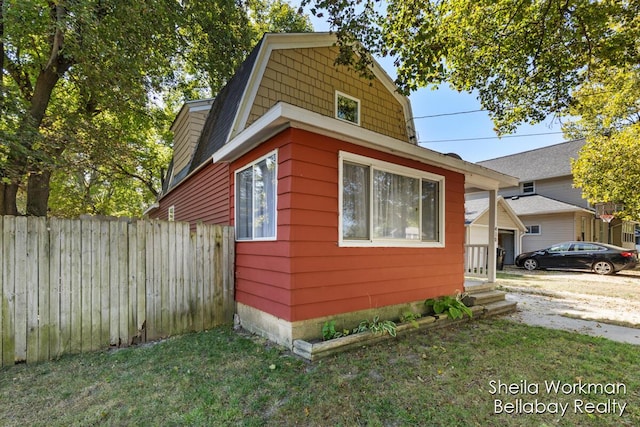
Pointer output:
347, 108
528, 187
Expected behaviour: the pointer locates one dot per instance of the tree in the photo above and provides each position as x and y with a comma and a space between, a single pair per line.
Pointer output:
64, 62
527, 59
608, 168
524, 58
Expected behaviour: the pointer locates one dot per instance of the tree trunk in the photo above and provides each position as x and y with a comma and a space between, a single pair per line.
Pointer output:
8, 193
38, 193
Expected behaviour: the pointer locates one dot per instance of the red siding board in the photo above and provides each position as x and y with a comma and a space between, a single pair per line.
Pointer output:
202, 197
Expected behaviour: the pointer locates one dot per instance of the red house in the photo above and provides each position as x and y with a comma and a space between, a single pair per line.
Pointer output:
338, 213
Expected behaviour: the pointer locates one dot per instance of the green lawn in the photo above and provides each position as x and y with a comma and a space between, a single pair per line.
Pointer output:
445, 377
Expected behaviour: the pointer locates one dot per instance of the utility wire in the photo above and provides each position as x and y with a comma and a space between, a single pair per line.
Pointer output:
447, 114
489, 137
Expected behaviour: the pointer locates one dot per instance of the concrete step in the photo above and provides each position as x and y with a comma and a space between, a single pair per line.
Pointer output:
499, 307
483, 298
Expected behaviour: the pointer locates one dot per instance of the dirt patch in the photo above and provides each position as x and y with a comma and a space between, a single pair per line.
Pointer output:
588, 303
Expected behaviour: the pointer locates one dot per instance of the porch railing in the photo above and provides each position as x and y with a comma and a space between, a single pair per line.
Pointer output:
476, 260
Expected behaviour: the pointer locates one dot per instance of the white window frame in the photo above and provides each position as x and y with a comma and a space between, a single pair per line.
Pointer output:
532, 185
528, 233
235, 200
357, 101
399, 170
171, 213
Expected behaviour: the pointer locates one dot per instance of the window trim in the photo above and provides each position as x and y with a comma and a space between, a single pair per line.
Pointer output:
339, 94
381, 165
235, 200
171, 213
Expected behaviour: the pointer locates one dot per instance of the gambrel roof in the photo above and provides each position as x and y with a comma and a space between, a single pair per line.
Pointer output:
238, 121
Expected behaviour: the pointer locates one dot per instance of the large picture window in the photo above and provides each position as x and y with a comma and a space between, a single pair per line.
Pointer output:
255, 200
389, 205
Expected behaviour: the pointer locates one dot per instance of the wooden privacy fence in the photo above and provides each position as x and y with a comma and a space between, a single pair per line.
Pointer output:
70, 286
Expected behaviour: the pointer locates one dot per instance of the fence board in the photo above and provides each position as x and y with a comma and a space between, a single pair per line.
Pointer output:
20, 291
104, 252
122, 284
86, 262
96, 294
8, 292
80, 285
44, 291
54, 288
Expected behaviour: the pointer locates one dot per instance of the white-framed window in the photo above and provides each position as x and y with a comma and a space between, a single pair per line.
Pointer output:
384, 204
528, 187
533, 229
347, 108
256, 199
171, 213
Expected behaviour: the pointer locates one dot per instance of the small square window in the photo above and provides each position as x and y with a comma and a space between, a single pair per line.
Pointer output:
347, 108
533, 229
528, 187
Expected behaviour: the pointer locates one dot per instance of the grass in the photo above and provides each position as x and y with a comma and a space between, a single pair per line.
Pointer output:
437, 377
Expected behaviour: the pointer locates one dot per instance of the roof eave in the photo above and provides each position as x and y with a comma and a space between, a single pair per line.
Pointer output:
283, 115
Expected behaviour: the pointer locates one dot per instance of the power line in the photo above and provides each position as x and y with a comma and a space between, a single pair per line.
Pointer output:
490, 137
447, 114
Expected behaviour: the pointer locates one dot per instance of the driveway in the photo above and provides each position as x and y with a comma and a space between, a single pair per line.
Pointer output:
607, 306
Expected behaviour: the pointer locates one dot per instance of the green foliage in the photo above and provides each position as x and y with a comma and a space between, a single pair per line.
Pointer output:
452, 306
329, 330
376, 326
381, 327
608, 170
524, 59
409, 316
89, 90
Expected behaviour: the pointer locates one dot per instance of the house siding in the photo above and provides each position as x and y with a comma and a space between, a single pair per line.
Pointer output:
186, 132
308, 78
202, 197
554, 228
305, 274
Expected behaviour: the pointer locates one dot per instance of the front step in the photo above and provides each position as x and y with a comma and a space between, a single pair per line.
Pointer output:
500, 307
483, 298
491, 302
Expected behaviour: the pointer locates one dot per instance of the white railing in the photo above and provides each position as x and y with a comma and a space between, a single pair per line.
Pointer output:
476, 260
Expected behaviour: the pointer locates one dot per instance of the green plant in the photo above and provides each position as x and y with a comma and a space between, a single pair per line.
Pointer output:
450, 305
409, 316
382, 327
329, 331
362, 327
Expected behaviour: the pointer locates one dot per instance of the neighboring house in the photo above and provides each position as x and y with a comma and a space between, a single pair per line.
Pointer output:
548, 204
338, 214
510, 228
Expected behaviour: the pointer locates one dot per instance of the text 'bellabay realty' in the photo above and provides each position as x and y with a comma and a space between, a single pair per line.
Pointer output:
525, 404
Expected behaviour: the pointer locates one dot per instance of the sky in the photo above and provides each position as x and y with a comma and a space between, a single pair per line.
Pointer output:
468, 127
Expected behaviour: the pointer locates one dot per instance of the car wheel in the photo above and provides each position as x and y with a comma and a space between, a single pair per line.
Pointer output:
603, 267
530, 264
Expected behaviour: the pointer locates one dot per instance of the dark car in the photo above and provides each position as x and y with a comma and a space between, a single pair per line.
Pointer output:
598, 257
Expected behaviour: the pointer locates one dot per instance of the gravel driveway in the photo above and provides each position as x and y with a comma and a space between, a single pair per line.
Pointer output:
587, 303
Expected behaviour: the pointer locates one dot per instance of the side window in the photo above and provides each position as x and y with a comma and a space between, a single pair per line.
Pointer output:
563, 247
347, 108
255, 200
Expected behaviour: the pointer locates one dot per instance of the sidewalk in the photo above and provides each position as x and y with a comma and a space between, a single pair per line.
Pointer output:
540, 310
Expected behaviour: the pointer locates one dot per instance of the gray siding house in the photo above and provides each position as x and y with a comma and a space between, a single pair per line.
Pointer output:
548, 204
